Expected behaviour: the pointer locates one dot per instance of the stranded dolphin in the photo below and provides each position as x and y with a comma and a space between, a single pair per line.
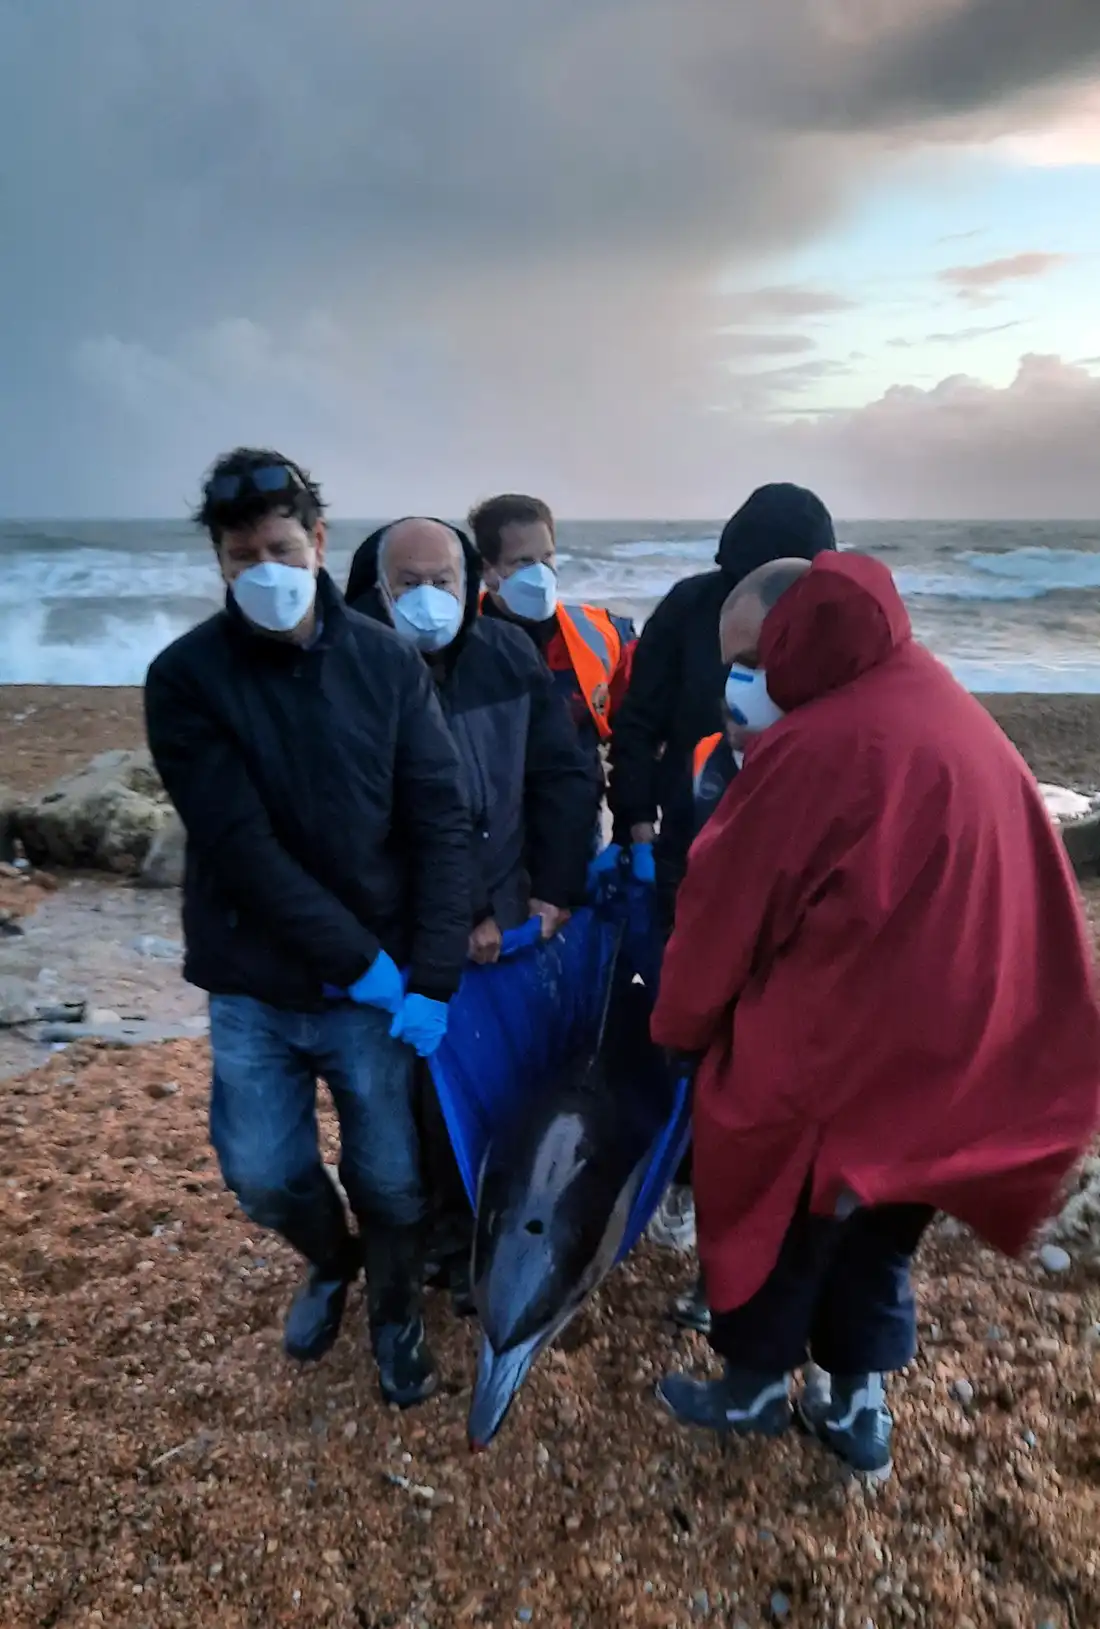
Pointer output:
558, 1188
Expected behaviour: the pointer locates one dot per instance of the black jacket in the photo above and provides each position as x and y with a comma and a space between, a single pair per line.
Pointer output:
678, 678
533, 794
322, 798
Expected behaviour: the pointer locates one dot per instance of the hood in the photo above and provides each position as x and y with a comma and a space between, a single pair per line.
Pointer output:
362, 591
779, 522
840, 620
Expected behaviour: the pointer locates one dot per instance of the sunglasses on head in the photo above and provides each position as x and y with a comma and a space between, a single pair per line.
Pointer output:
263, 478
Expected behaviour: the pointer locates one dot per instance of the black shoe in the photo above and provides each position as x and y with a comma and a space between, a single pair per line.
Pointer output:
406, 1368
740, 1403
315, 1315
690, 1310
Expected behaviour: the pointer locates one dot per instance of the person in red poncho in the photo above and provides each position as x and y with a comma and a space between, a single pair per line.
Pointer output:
892, 998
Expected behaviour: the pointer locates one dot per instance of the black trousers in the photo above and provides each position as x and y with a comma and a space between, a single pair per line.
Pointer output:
450, 1218
840, 1293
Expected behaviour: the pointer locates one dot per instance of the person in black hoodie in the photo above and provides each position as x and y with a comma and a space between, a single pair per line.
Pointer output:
328, 848
677, 679
673, 704
533, 794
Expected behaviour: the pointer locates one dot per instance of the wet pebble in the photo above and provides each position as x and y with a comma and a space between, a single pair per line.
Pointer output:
779, 1607
156, 949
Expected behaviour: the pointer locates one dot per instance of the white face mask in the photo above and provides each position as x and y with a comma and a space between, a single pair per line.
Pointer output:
427, 617
748, 700
531, 593
274, 596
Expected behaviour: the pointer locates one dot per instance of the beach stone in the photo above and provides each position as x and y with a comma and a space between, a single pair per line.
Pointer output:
1078, 821
106, 817
1053, 1259
155, 949
17, 1003
163, 867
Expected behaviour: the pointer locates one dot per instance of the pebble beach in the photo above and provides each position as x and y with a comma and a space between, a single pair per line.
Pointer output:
161, 1465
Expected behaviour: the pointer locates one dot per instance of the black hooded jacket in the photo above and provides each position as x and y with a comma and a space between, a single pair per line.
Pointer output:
323, 803
678, 677
532, 793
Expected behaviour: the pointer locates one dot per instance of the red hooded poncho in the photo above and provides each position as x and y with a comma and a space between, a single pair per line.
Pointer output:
878, 949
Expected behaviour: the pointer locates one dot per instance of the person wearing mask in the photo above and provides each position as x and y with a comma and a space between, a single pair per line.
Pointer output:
899, 1017
531, 791
588, 649
326, 899
677, 678
675, 703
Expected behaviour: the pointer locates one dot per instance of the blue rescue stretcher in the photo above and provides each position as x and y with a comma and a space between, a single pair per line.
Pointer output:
513, 1024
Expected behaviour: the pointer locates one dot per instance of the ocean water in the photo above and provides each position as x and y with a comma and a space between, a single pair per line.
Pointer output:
1008, 607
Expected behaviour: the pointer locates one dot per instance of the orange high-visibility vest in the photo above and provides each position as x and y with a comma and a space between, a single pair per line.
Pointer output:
594, 647
701, 756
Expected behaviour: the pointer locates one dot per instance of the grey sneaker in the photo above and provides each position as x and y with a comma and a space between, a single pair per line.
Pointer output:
690, 1310
673, 1224
848, 1414
741, 1403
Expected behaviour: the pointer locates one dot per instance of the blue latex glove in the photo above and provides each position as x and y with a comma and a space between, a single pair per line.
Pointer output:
641, 863
602, 866
421, 1023
381, 986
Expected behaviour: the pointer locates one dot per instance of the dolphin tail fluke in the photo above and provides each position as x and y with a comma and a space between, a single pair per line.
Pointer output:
499, 1377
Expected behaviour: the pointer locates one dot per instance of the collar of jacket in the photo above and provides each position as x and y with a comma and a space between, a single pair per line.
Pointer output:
540, 633
334, 625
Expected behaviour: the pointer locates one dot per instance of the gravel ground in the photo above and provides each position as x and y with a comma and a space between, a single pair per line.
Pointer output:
52, 730
161, 1465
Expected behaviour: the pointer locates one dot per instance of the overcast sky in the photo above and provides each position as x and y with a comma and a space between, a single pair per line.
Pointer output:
633, 255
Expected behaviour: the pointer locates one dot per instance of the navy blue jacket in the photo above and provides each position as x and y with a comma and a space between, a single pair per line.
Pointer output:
532, 791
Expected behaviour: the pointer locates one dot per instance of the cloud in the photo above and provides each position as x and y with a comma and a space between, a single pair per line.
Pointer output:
961, 450
755, 344
783, 301
513, 216
992, 273
959, 336
1070, 140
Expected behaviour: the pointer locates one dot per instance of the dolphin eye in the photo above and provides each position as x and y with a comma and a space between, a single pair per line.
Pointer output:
535, 1227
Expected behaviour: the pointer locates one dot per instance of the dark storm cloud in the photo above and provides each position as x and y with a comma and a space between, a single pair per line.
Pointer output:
976, 54
477, 128
471, 191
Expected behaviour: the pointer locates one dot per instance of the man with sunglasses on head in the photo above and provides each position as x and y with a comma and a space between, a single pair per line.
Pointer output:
326, 899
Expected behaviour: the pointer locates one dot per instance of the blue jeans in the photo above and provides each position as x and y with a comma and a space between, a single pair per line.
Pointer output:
263, 1120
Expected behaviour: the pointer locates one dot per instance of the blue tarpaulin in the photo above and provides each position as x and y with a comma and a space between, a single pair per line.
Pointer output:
514, 1024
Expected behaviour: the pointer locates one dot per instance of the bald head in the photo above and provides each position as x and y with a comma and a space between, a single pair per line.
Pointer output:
746, 608
418, 551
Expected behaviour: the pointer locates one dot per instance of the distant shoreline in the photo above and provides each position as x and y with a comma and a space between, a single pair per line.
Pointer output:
50, 730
